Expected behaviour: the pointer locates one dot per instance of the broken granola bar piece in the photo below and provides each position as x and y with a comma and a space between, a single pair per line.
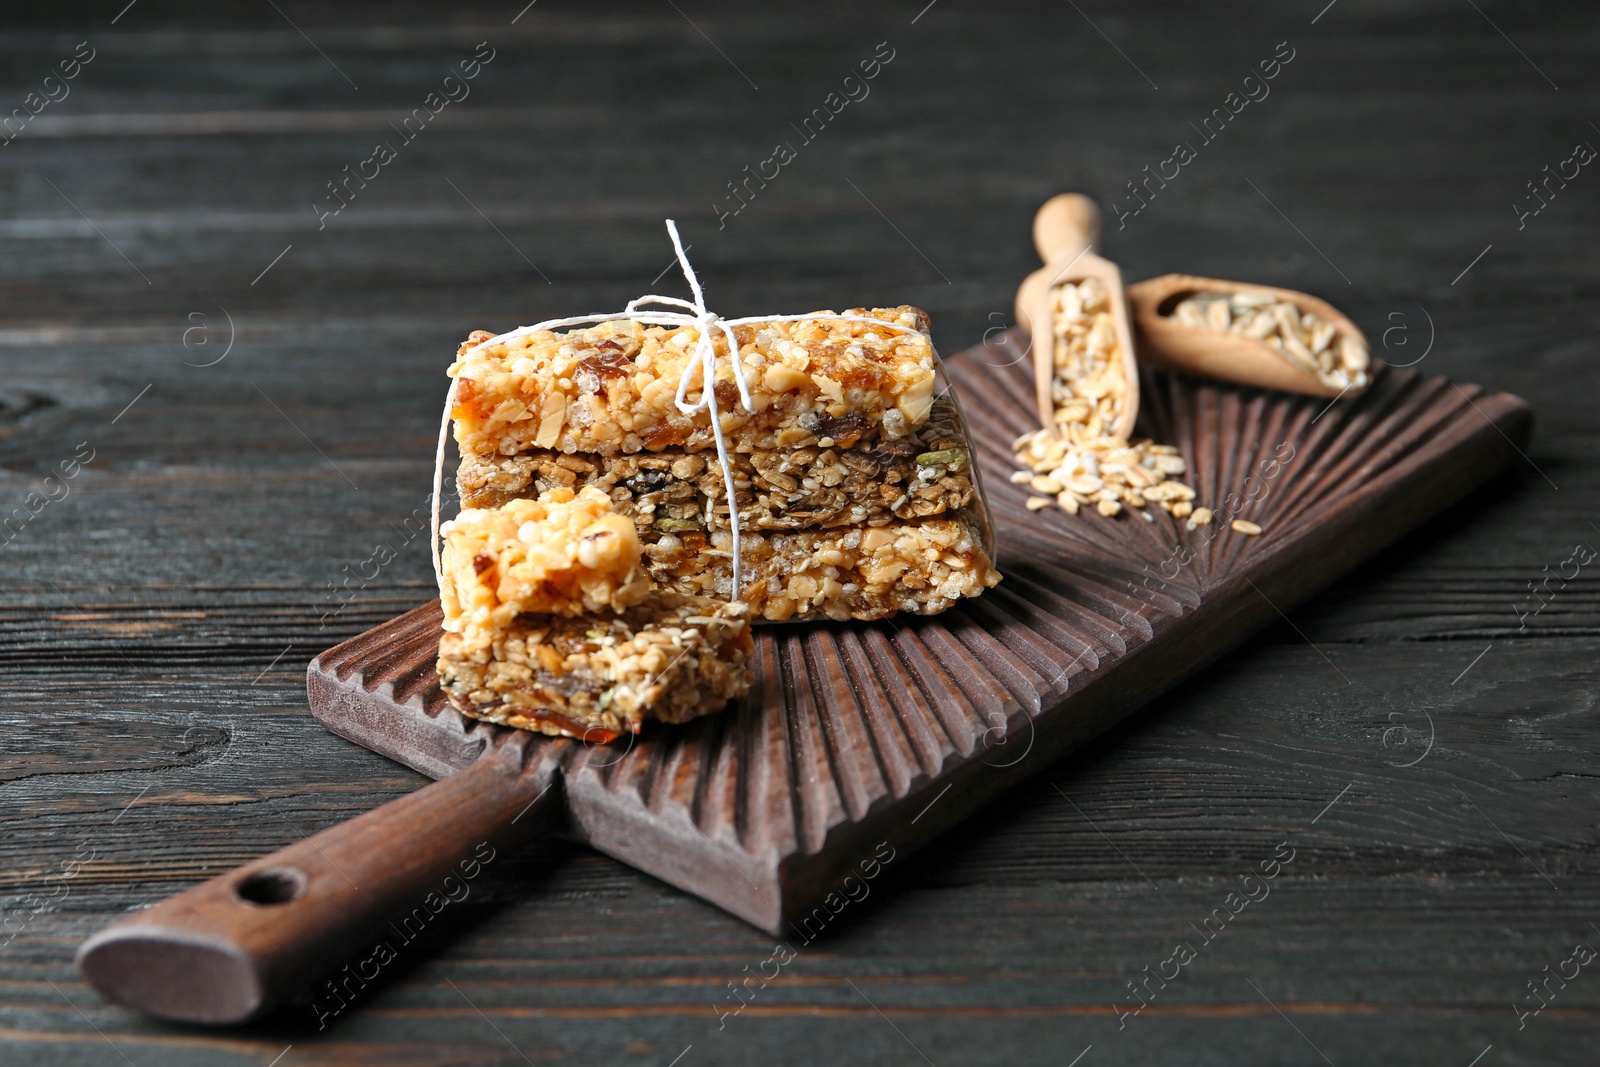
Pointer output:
565, 553
672, 659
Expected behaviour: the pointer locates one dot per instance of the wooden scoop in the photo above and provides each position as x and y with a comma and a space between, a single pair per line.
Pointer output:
1164, 341
1065, 231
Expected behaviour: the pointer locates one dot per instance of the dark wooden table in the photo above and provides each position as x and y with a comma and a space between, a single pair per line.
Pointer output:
258, 396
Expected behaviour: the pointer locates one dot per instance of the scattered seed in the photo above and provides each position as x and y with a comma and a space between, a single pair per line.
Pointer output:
953, 458
1245, 527
1038, 503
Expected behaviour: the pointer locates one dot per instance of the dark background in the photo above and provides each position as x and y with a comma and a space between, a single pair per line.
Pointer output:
156, 621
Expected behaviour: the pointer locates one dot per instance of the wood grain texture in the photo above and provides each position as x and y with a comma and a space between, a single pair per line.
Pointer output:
185, 583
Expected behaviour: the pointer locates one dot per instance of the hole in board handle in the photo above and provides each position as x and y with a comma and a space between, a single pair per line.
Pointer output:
275, 885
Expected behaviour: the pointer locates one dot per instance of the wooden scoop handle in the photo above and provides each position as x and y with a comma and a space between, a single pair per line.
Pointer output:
232, 947
1065, 226
1065, 230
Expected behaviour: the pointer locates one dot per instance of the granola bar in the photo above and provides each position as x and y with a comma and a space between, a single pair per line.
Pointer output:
672, 658
926, 472
565, 553
922, 567
611, 388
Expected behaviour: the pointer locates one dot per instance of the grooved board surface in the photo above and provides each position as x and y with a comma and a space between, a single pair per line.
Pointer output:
856, 734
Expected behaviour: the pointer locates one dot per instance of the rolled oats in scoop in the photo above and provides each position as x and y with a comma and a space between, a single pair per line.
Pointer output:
1339, 361
1087, 467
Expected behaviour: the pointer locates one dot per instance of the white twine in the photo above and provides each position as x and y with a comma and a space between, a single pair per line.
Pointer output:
694, 314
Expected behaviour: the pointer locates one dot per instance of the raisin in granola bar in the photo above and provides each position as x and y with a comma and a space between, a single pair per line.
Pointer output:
611, 388
672, 658
927, 472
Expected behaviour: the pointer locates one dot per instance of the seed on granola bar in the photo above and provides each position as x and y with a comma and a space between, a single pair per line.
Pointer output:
954, 458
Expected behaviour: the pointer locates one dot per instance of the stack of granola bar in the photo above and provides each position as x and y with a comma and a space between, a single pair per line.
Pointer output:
853, 481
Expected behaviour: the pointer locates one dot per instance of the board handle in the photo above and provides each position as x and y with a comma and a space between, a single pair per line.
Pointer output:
230, 948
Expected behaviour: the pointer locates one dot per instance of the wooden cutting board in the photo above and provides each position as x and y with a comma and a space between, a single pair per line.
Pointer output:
861, 742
